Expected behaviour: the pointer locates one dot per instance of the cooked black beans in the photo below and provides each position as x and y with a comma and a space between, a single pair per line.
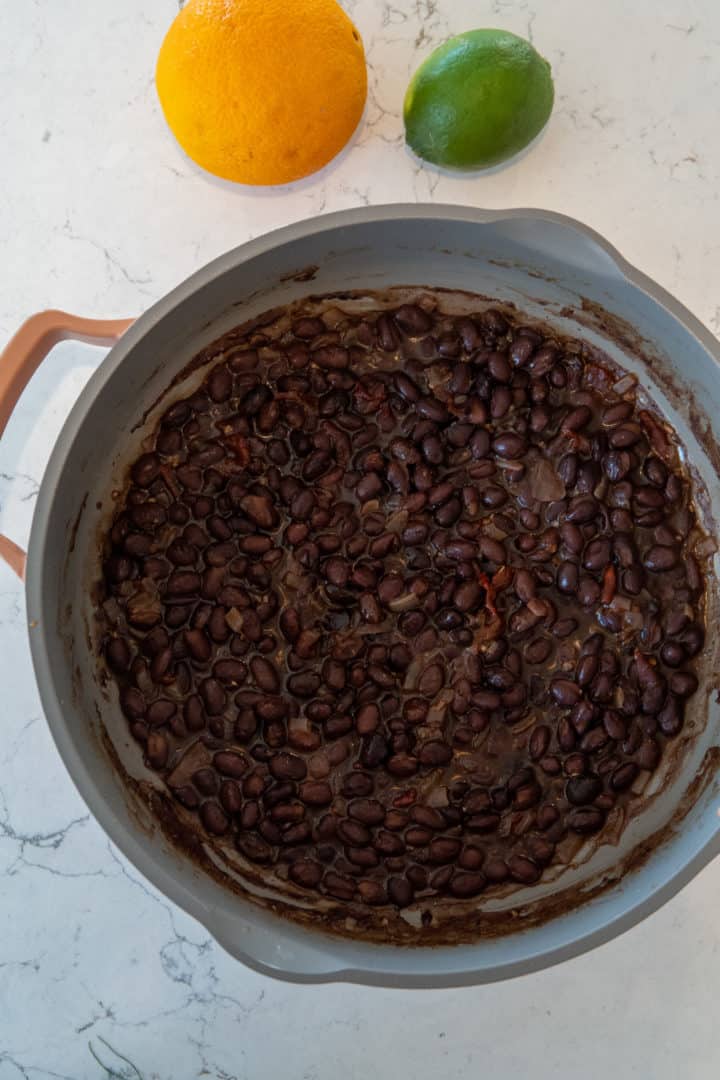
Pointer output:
368, 549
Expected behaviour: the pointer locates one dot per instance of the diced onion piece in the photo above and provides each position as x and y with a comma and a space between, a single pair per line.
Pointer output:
405, 602
234, 619
626, 383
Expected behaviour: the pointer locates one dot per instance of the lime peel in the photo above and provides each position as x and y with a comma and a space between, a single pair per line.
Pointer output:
478, 100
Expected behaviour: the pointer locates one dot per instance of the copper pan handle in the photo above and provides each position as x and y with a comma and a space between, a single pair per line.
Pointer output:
20, 359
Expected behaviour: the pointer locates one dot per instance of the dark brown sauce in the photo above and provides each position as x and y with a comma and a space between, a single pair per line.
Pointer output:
484, 629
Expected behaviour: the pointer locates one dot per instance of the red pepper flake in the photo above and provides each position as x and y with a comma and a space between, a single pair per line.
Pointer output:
502, 578
169, 479
238, 445
406, 799
609, 585
579, 442
487, 585
657, 433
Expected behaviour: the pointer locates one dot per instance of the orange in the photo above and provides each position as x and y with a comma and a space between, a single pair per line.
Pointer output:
262, 91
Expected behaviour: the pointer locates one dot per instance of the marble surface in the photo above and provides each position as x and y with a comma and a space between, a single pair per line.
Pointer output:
100, 213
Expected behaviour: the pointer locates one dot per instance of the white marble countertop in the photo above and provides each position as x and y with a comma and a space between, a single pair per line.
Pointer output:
101, 214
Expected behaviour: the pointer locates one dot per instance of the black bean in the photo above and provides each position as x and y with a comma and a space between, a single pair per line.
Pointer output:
483, 823
566, 736
305, 872
206, 781
444, 850
615, 414
655, 471
460, 550
670, 717
388, 844
624, 436
496, 870
375, 750
354, 833
582, 509
432, 680
648, 498
480, 444
265, 674
132, 703
624, 776
432, 409
567, 469
461, 380
331, 357
367, 858
521, 350
586, 670
448, 344
493, 496
449, 512
585, 820
526, 796
683, 683
648, 753
567, 578
616, 465
565, 692
659, 559
308, 327
577, 418
588, 591
367, 811
492, 550
582, 789
465, 884
572, 537
230, 797
434, 753
510, 446
576, 764
413, 320
117, 653
145, 470
230, 763
198, 645
182, 583
213, 696
597, 554
536, 652
260, 510
523, 870
214, 818
539, 741
160, 712
157, 750
400, 891
547, 816
284, 766
470, 858
692, 639
254, 848
187, 796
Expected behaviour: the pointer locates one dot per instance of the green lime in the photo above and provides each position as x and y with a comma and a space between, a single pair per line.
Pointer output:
478, 100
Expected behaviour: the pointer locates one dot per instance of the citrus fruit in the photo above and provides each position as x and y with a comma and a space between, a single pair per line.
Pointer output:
477, 100
262, 91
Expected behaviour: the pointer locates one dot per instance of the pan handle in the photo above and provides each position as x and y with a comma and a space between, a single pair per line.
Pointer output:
22, 356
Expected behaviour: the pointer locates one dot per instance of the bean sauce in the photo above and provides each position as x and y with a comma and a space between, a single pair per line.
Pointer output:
399, 603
